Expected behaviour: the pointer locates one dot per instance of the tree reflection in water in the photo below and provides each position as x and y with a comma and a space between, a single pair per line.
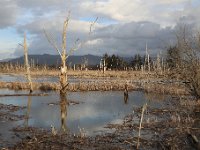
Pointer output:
125, 99
126, 94
27, 115
63, 112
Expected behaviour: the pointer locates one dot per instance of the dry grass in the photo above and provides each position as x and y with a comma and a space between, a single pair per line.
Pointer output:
24, 86
110, 81
89, 74
108, 85
173, 89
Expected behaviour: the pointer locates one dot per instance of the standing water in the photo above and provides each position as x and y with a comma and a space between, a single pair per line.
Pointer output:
94, 111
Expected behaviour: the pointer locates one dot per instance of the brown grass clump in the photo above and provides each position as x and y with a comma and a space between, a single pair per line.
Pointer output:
48, 86
24, 86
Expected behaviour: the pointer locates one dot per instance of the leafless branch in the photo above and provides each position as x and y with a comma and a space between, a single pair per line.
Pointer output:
20, 45
77, 45
51, 41
64, 36
92, 25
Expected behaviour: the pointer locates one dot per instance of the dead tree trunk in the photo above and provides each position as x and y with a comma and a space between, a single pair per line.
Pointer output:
147, 60
104, 65
63, 68
26, 63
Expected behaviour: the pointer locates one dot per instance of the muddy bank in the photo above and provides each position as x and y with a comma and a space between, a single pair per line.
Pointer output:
7, 115
40, 139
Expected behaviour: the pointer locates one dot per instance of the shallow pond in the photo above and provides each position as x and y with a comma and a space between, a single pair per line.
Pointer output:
71, 79
21, 78
92, 114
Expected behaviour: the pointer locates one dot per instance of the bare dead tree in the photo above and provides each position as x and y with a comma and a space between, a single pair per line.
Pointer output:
147, 59
63, 54
185, 57
26, 63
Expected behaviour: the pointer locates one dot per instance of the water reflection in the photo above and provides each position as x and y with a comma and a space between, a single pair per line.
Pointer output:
96, 110
125, 99
150, 96
54, 79
155, 97
63, 112
126, 94
27, 115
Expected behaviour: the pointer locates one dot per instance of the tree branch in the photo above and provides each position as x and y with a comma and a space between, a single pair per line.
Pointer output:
51, 41
92, 24
79, 45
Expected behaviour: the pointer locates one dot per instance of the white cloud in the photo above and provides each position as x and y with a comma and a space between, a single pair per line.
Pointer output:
8, 13
135, 23
94, 42
170, 2
137, 10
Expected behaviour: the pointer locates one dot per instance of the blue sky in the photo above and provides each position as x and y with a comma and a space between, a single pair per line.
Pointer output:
123, 27
9, 38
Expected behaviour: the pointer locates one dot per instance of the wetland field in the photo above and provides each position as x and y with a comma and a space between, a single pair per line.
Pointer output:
95, 113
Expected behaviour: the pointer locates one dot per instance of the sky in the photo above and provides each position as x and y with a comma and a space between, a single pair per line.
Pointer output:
123, 26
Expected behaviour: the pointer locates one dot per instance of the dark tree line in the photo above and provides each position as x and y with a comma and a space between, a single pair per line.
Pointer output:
173, 58
114, 62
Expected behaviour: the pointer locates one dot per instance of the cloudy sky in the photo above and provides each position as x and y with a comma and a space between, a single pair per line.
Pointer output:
123, 26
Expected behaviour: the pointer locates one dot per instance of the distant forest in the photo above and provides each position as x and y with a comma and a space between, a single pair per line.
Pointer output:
112, 62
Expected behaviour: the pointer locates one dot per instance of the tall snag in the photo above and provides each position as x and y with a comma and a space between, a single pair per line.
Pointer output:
63, 67
64, 55
26, 63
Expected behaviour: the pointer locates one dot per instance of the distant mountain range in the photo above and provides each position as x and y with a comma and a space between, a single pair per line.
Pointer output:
55, 59
5, 60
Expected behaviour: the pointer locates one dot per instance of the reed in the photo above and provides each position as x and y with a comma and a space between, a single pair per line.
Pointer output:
140, 127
